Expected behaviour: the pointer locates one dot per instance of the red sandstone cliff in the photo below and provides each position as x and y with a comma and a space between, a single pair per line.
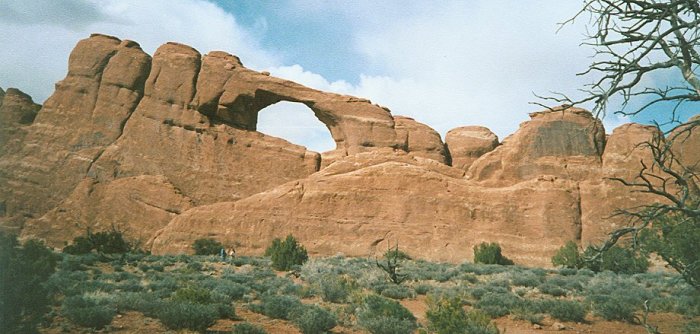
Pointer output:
165, 149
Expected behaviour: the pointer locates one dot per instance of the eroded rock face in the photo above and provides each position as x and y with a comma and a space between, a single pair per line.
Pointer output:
17, 111
186, 118
468, 143
420, 139
602, 197
566, 143
430, 211
138, 206
165, 149
85, 113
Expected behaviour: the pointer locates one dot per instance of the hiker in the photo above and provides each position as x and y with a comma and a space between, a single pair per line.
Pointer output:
231, 252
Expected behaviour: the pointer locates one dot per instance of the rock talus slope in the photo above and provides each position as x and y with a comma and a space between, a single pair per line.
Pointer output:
165, 148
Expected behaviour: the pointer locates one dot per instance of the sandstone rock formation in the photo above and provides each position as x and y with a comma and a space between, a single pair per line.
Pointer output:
17, 111
466, 144
562, 143
166, 150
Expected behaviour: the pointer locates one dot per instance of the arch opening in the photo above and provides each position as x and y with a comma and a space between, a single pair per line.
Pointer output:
297, 124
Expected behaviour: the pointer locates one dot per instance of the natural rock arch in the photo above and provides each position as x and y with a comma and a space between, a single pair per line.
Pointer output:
233, 94
297, 124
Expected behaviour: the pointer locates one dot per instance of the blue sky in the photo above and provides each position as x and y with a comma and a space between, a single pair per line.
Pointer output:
446, 64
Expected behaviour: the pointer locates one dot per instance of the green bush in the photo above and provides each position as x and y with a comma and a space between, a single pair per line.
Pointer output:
490, 253
446, 316
551, 289
286, 253
182, 315
568, 256
192, 295
397, 254
277, 306
527, 279
675, 238
380, 315
313, 319
23, 272
616, 298
617, 259
145, 302
498, 304
247, 328
398, 292
207, 246
108, 242
230, 289
334, 288
566, 310
87, 313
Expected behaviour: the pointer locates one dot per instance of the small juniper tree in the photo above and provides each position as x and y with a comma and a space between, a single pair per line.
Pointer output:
286, 253
392, 262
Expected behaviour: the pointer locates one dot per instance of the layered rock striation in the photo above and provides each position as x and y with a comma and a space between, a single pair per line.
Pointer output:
165, 148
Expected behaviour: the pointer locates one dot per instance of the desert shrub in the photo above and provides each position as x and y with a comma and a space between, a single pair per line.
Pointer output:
490, 253
23, 271
616, 298
675, 237
247, 328
233, 290
86, 312
565, 310
182, 315
551, 289
225, 310
481, 290
617, 259
526, 279
276, 306
107, 242
497, 304
423, 289
163, 286
396, 253
286, 253
334, 288
568, 271
394, 291
192, 295
380, 315
313, 319
447, 316
207, 246
568, 256
524, 312
146, 303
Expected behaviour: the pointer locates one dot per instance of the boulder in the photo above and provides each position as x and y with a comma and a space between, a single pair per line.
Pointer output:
420, 139
467, 143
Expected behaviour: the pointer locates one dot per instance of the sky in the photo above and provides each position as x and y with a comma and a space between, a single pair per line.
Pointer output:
446, 64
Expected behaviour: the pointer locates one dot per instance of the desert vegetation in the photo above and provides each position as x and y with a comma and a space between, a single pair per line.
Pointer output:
94, 291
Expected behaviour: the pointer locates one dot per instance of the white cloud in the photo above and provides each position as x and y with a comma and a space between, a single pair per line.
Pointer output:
34, 52
460, 63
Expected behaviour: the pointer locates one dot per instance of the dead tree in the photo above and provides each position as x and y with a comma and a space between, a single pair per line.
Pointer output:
634, 40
